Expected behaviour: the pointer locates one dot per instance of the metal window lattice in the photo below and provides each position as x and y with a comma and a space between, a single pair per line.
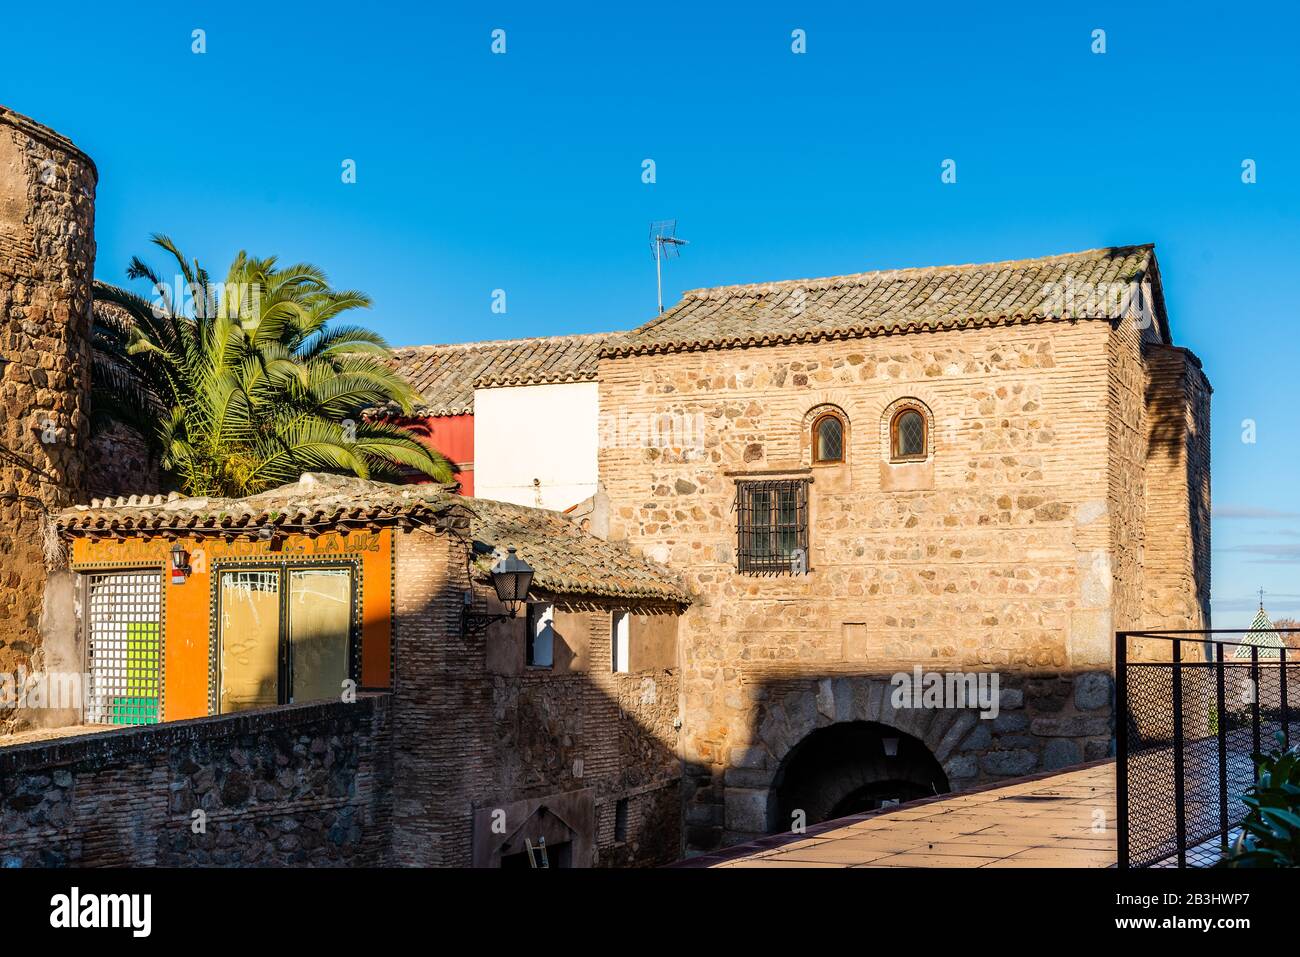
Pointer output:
830, 439
772, 526
911, 434
124, 647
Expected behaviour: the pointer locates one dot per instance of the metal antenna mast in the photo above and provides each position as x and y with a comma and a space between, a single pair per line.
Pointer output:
664, 245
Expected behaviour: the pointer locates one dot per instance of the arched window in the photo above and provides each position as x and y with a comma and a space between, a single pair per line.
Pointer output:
907, 440
828, 439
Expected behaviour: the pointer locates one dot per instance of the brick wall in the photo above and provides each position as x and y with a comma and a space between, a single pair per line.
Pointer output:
1177, 580
119, 461
300, 785
484, 733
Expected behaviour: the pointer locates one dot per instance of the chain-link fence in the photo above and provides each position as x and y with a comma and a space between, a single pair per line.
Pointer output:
1194, 708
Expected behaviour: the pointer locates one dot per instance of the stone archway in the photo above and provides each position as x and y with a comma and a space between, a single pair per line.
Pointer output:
789, 710
850, 767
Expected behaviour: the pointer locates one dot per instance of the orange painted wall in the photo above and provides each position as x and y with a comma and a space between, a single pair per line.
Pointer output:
187, 622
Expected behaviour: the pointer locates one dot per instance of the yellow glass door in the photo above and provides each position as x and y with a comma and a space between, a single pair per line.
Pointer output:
249, 638
320, 619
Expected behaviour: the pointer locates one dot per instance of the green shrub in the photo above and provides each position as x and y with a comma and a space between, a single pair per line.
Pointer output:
1270, 831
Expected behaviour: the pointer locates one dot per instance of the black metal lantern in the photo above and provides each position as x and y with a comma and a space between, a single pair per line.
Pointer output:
180, 562
512, 577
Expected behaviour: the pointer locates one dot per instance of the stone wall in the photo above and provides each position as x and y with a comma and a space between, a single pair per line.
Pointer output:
300, 785
1013, 548
1177, 581
47, 256
486, 734
1045, 721
120, 463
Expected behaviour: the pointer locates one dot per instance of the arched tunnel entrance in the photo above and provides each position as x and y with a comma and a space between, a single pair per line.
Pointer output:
852, 767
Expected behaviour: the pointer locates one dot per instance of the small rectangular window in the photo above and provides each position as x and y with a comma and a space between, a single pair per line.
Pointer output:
620, 820
619, 634
772, 527
541, 635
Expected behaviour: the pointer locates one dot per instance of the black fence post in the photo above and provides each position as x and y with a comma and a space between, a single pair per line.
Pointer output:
1254, 712
1221, 715
1180, 797
1121, 750
1286, 716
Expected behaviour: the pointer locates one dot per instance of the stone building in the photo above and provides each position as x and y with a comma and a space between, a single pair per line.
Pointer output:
976, 471
47, 256
971, 469
556, 721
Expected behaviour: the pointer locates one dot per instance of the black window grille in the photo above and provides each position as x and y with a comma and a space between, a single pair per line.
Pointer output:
772, 527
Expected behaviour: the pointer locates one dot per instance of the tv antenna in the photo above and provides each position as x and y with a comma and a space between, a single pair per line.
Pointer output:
664, 244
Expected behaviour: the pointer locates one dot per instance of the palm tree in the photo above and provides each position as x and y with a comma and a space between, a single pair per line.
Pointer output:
248, 385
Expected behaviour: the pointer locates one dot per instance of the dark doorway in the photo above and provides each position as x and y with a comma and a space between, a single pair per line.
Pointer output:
557, 855
853, 767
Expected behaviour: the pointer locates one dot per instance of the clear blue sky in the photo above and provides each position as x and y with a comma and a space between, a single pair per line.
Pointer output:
523, 172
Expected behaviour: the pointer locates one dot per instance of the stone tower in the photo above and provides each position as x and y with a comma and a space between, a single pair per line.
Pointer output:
47, 258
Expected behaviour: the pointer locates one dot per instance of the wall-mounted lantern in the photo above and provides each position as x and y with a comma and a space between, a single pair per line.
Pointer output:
512, 577
180, 564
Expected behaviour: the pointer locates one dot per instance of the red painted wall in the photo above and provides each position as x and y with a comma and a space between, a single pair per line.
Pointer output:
453, 436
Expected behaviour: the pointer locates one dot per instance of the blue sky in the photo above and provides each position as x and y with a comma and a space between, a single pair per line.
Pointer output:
522, 171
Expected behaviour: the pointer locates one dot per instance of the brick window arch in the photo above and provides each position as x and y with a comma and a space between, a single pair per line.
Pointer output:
907, 433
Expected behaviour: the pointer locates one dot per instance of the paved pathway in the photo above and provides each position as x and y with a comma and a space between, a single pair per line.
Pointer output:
1045, 821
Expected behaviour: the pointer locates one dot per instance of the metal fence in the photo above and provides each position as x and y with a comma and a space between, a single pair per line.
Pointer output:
1193, 707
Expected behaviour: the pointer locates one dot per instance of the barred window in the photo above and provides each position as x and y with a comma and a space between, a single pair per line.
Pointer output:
772, 527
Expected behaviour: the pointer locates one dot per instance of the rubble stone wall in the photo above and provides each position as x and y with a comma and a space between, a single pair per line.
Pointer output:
299, 785
1014, 547
47, 257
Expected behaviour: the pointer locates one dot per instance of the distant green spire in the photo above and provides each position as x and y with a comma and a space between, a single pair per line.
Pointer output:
1262, 636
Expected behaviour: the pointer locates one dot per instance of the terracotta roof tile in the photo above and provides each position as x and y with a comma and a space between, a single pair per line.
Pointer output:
568, 560
446, 376
1094, 284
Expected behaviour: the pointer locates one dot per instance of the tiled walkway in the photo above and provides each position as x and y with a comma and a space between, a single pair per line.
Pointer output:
1046, 821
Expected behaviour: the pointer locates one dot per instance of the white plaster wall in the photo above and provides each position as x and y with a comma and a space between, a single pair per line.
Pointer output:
544, 432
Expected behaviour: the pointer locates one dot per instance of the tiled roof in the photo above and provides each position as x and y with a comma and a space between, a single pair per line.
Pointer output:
445, 376
1262, 636
1098, 283
568, 560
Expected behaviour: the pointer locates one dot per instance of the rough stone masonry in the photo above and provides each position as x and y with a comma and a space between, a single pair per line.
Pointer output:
47, 257
1063, 494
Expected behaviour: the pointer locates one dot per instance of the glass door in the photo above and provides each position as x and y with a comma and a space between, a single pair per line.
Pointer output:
249, 637
320, 631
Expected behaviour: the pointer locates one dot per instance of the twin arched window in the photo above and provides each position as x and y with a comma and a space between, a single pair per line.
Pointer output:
908, 436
